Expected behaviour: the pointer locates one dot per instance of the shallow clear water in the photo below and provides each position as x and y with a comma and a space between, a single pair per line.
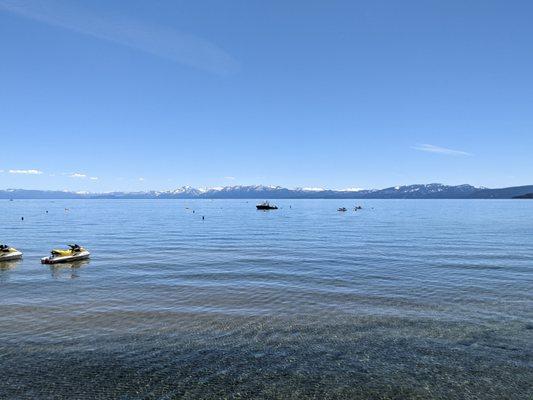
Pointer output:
403, 299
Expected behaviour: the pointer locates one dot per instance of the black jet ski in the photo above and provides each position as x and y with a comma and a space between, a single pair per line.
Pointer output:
266, 206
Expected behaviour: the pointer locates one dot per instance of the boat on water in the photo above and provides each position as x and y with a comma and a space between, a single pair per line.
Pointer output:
342, 209
9, 253
266, 206
74, 253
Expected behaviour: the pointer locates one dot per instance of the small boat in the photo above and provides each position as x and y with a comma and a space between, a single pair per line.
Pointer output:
266, 206
9, 253
357, 208
74, 253
342, 209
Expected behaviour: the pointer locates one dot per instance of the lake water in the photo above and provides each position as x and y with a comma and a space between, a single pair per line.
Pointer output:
425, 299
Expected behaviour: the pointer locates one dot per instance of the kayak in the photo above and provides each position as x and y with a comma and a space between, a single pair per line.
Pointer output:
75, 253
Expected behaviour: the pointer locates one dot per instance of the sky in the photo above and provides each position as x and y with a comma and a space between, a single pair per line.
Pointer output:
152, 95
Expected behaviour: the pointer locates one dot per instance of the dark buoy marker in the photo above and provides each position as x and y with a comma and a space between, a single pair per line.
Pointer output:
22, 218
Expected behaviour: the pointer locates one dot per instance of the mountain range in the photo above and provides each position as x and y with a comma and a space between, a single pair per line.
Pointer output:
428, 191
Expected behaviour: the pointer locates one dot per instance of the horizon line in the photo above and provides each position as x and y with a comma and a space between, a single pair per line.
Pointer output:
220, 188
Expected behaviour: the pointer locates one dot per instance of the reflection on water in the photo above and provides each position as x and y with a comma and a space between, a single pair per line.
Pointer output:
403, 299
6, 267
67, 269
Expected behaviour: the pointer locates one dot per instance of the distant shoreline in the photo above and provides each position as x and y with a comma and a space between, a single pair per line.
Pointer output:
524, 196
429, 191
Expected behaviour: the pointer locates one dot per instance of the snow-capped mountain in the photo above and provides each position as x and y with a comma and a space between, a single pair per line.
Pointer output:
186, 190
432, 190
429, 191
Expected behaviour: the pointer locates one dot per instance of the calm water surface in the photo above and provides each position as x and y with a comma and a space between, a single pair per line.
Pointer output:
429, 299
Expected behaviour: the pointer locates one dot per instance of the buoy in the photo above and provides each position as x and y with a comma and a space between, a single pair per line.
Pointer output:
22, 218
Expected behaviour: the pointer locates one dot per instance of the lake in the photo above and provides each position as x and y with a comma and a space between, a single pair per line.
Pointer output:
425, 299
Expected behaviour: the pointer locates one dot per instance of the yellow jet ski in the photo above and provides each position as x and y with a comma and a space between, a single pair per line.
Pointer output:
9, 253
74, 253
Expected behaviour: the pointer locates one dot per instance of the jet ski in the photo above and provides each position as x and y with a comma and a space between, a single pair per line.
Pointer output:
342, 209
9, 253
74, 253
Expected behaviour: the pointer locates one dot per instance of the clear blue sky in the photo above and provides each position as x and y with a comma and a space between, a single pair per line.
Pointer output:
157, 94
